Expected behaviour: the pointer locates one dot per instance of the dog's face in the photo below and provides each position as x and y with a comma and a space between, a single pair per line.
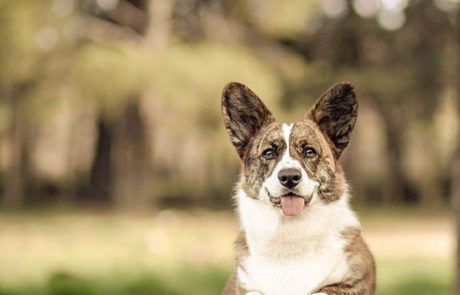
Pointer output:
286, 165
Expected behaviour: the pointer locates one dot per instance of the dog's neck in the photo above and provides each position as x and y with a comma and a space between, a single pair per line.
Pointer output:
271, 234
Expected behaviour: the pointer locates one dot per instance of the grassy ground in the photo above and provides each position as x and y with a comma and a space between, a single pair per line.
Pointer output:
172, 252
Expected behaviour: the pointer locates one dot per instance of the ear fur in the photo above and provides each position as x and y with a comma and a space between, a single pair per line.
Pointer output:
244, 115
335, 113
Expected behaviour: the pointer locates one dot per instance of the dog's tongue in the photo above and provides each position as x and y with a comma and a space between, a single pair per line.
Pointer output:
292, 205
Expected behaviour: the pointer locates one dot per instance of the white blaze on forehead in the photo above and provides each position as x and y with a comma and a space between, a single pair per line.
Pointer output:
287, 129
287, 161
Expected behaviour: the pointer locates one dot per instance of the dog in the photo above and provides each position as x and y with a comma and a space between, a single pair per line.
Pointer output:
298, 233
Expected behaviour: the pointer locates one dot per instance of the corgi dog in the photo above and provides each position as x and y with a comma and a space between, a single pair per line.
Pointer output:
298, 234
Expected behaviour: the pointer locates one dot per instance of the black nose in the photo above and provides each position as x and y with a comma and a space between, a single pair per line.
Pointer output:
290, 177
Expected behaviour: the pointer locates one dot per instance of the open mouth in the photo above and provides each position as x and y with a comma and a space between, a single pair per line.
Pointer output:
290, 203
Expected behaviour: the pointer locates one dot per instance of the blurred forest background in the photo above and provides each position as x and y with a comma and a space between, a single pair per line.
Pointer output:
109, 108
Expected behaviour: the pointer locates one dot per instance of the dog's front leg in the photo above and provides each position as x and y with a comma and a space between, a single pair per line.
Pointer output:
343, 289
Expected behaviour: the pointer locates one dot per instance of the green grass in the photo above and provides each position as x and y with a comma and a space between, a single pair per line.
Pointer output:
407, 276
414, 275
185, 253
190, 281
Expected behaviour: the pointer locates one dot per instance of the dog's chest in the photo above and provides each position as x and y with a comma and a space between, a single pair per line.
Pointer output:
294, 274
293, 256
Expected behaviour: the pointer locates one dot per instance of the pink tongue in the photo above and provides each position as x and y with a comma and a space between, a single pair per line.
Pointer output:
292, 206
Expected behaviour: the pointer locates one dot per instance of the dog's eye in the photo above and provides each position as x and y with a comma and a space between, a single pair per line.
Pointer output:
269, 154
309, 152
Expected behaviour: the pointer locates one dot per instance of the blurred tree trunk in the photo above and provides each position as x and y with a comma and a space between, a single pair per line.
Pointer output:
455, 176
397, 181
101, 171
429, 77
455, 191
430, 182
19, 175
131, 159
121, 170
157, 32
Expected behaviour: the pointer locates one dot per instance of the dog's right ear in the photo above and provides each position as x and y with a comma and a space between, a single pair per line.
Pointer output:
335, 113
244, 115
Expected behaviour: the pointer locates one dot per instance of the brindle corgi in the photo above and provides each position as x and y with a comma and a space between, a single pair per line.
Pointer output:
298, 233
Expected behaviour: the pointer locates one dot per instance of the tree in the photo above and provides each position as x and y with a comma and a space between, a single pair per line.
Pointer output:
23, 63
455, 168
121, 171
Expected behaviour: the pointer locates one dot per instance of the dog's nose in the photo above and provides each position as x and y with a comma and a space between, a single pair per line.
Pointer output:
290, 177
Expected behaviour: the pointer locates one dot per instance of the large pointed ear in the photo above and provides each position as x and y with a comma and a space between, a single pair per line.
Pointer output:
335, 113
244, 115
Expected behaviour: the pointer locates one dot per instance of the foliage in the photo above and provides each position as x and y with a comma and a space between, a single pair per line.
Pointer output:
104, 77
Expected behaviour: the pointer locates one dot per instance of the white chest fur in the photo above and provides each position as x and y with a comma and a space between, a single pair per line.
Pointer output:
293, 255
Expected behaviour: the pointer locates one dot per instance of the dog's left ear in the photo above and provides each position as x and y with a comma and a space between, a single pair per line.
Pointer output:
335, 113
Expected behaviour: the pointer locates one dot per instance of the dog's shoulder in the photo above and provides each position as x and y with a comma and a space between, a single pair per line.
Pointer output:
362, 274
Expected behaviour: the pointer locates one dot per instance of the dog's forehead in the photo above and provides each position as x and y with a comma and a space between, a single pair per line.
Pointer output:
306, 130
272, 132
291, 132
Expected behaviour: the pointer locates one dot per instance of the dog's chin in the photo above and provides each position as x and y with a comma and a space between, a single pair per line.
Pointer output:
290, 204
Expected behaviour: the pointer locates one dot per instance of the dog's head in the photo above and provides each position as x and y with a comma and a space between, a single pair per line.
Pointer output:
286, 165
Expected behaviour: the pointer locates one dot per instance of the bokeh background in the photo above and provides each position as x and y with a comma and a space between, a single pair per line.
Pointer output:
116, 172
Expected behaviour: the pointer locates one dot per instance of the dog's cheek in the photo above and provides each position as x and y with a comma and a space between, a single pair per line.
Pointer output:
327, 189
256, 172
309, 166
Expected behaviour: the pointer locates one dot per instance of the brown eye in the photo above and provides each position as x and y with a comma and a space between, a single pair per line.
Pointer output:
309, 152
269, 154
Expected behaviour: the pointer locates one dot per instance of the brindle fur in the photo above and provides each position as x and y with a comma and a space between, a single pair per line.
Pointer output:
326, 128
361, 279
335, 113
244, 114
255, 168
